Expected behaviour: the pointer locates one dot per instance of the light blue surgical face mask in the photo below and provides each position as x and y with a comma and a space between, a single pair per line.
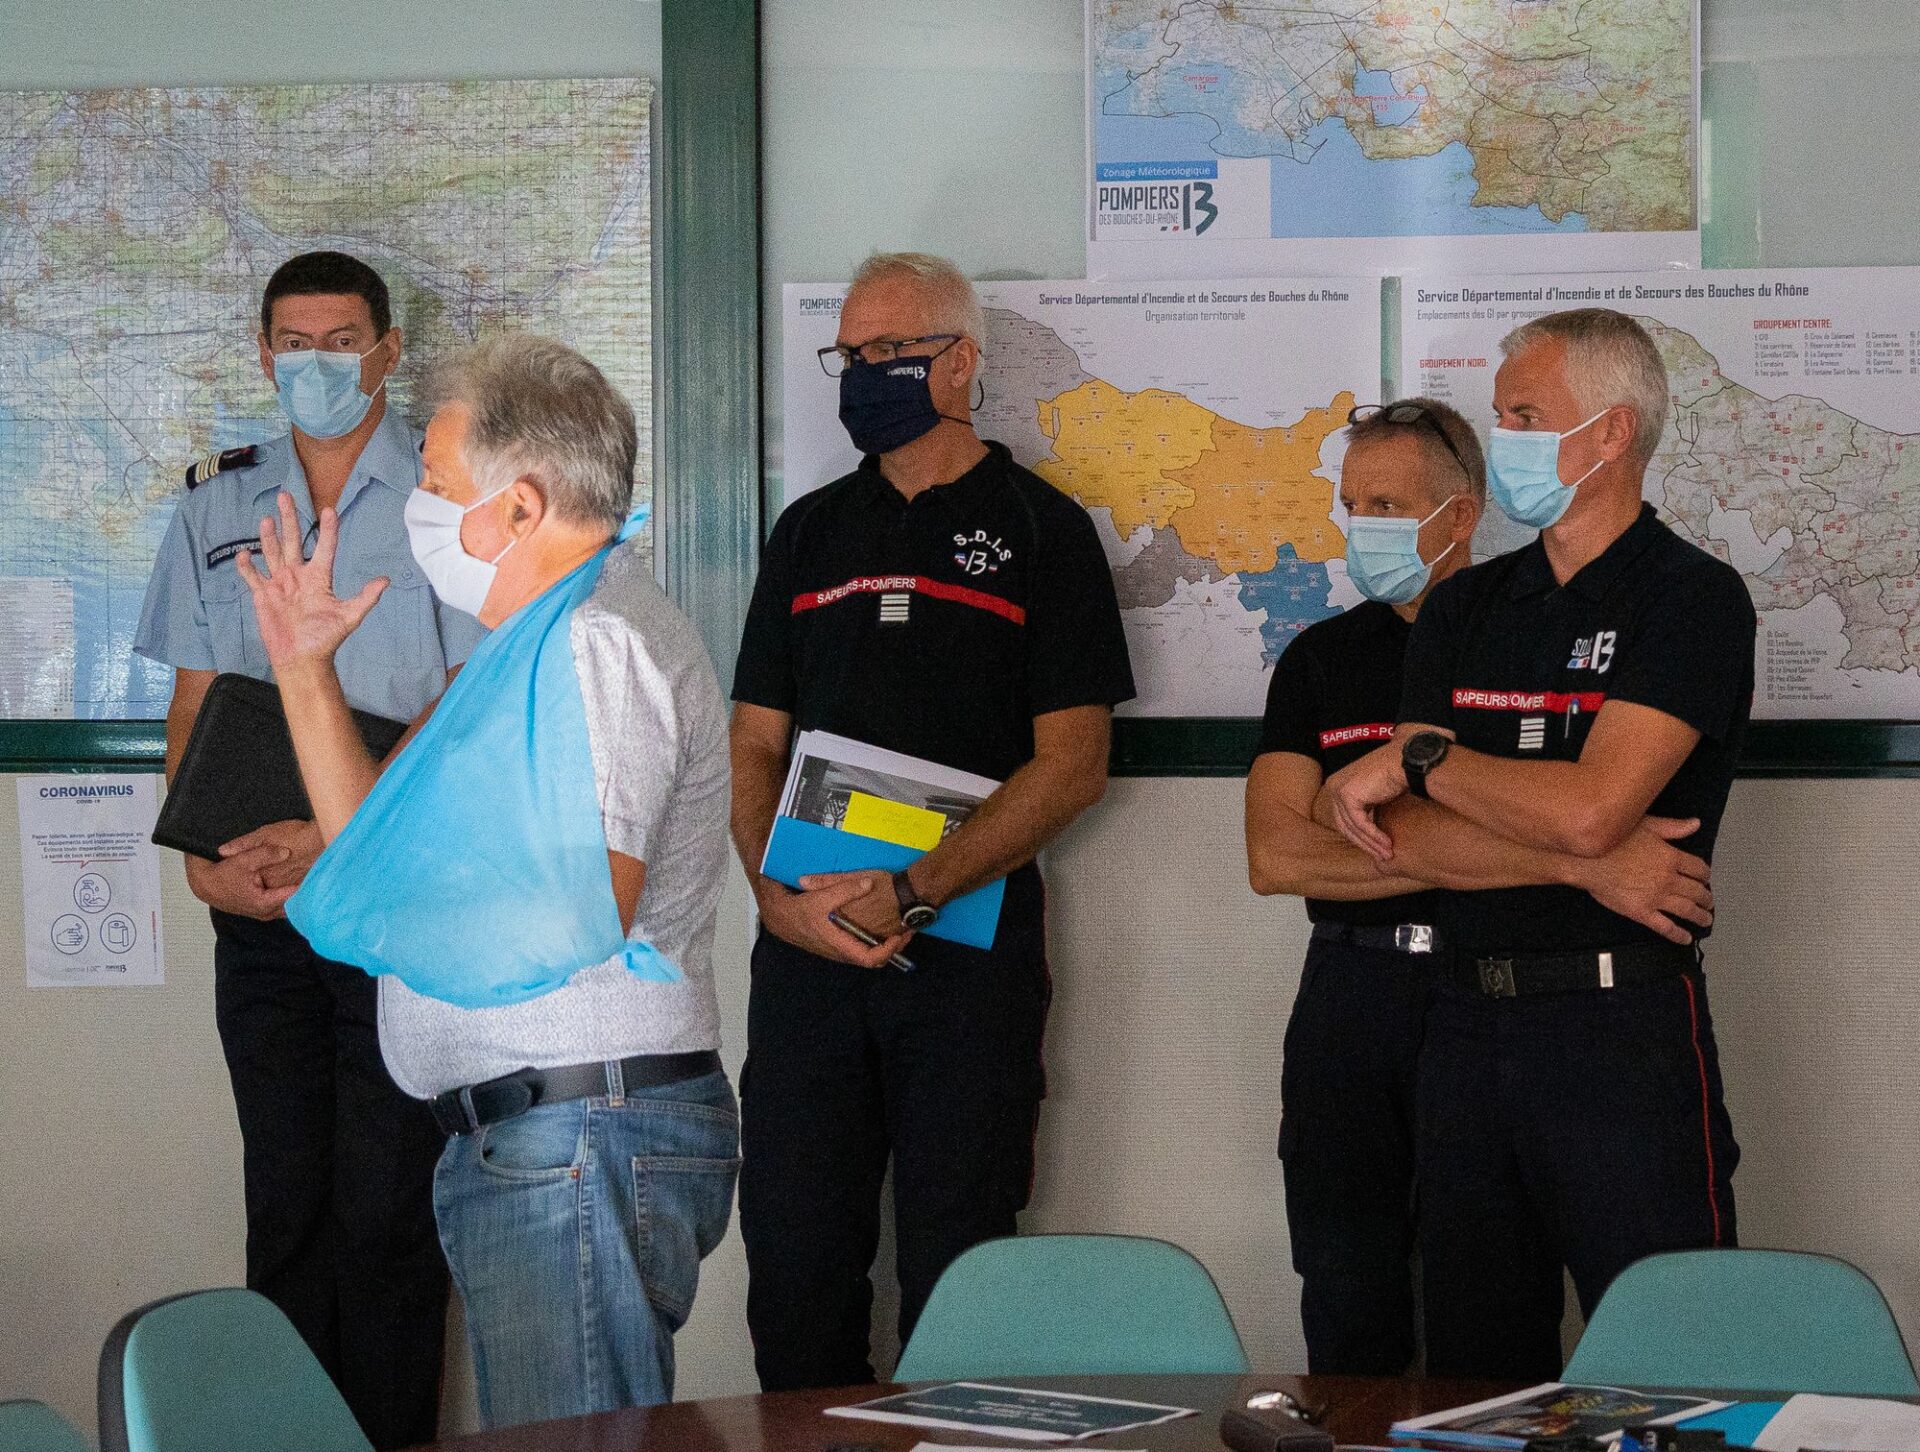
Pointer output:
1383, 556
320, 391
1523, 474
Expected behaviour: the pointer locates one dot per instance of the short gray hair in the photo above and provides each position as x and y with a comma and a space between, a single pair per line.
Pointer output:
1441, 426
1611, 363
540, 411
956, 305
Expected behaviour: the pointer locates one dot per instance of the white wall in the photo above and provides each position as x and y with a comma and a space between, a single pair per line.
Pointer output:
911, 122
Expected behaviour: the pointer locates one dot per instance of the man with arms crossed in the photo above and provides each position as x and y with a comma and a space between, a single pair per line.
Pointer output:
942, 601
1570, 1098
593, 1135
1413, 484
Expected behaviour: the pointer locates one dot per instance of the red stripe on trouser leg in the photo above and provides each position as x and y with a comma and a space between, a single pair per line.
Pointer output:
1706, 1110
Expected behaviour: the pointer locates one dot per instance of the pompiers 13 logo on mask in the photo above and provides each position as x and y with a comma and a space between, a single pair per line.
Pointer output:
976, 554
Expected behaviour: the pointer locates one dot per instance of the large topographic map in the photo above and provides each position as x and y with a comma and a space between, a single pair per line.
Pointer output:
1202, 437
136, 230
1792, 451
1215, 120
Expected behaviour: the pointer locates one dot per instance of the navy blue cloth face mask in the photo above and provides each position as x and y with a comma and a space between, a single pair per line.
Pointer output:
886, 406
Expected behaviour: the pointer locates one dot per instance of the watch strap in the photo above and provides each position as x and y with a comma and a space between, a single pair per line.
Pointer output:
903, 893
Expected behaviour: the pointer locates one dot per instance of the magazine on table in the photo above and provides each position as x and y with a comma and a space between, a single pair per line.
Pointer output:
1553, 1409
1021, 1413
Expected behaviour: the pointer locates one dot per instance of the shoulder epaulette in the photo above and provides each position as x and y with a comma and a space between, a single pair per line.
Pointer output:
244, 457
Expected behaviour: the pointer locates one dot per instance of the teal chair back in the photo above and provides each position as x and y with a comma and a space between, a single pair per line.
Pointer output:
218, 1371
1745, 1320
37, 1427
1072, 1305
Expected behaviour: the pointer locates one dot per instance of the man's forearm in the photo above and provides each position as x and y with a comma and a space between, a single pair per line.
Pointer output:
1031, 808
1544, 804
334, 763
1441, 848
758, 778
1309, 860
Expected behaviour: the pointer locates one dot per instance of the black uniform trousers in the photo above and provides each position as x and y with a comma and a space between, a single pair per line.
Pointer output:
1347, 1153
339, 1175
938, 1070
1580, 1130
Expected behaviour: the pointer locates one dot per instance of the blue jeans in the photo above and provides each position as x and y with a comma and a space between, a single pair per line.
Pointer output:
575, 1234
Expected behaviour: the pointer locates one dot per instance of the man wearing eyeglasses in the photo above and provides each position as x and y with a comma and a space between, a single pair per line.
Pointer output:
941, 601
1413, 484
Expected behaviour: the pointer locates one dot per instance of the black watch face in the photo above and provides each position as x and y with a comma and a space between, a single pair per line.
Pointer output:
1425, 749
919, 917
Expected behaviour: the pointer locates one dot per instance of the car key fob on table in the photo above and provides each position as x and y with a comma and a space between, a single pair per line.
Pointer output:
1249, 1431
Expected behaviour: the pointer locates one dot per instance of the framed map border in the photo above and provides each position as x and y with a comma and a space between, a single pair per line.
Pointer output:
707, 362
1224, 746
711, 488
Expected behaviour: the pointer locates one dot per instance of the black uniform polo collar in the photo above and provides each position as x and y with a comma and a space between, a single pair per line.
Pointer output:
1533, 575
970, 489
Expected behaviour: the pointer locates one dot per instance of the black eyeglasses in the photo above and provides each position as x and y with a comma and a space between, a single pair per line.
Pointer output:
1408, 413
836, 359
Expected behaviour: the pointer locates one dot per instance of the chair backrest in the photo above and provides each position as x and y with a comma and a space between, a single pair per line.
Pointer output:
218, 1371
1745, 1320
37, 1427
1067, 1305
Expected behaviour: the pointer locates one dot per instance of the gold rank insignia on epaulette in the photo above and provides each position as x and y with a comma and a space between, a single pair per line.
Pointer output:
244, 457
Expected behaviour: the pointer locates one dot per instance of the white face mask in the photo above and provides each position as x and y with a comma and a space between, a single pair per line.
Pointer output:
433, 530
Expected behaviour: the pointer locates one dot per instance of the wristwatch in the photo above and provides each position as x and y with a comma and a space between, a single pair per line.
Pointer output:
1423, 751
915, 911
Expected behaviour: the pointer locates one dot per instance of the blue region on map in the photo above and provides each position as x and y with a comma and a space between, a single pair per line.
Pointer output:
1390, 108
109, 680
1327, 187
1294, 595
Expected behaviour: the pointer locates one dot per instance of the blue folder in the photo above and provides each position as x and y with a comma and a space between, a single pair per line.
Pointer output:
1742, 1422
799, 848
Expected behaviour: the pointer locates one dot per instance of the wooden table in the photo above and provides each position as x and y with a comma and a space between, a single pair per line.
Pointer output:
1359, 1410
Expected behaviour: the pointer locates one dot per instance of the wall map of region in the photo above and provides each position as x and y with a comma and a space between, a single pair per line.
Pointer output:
1203, 441
139, 227
1792, 451
1486, 131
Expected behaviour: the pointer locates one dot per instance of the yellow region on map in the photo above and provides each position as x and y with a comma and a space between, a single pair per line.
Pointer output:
1255, 490
1114, 450
1232, 492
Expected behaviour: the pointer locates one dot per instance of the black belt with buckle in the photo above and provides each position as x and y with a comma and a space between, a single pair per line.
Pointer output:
1525, 974
472, 1106
1391, 938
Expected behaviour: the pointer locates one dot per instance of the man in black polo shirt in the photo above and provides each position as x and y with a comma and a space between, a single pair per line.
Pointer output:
941, 601
1413, 484
1570, 1099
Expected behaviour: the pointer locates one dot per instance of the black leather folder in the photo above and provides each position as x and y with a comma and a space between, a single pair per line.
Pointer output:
238, 771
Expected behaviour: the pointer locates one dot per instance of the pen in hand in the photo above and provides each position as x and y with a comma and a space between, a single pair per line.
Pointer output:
861, 935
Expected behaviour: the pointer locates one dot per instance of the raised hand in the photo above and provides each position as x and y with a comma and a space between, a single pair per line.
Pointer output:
301, 619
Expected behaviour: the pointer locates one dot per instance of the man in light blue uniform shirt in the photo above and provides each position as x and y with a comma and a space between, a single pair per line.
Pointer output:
338, 1161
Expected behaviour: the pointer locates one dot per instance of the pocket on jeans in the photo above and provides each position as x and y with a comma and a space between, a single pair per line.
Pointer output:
538, 1145
683, 1205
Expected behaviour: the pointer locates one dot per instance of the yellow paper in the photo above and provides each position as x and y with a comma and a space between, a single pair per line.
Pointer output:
871, 816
